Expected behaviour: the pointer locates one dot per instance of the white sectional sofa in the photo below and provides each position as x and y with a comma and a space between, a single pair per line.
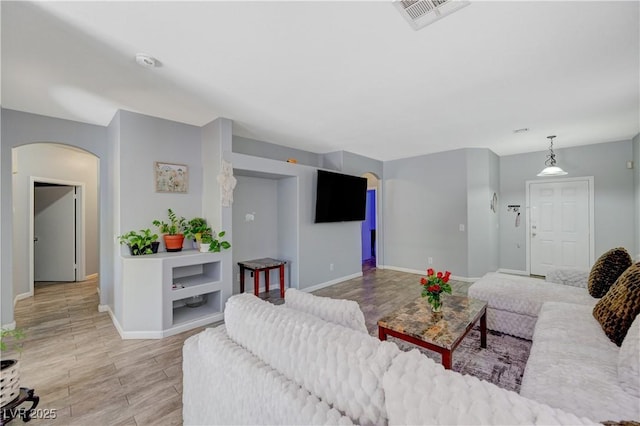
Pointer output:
278, 365
514, 301
574, 366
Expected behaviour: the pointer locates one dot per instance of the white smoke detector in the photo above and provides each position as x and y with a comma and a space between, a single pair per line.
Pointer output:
147, 61
420, 13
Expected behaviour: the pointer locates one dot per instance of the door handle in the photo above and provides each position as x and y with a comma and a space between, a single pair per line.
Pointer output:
533, 234
35, 239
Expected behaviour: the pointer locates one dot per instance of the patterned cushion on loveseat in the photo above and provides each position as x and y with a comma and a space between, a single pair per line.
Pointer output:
606, 271
619, 307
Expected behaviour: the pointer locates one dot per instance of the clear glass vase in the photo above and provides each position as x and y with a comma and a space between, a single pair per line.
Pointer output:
436, 304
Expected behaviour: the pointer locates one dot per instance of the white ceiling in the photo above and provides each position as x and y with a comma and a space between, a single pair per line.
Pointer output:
327, 76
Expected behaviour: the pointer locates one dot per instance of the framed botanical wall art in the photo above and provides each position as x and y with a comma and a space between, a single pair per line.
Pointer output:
171, 177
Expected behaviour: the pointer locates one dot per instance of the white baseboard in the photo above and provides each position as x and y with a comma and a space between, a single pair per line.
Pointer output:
22, 296
513, 272
465, 279
332, 282
424, 273
10, 326
126, 335
407, 270
114, 320
131, 335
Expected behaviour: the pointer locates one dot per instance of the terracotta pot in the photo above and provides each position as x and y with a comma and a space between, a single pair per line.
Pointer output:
173, 242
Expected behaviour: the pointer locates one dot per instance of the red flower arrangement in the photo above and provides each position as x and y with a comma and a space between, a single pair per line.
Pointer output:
433, 285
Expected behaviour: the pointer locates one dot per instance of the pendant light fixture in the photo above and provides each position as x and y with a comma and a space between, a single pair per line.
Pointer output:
551, 169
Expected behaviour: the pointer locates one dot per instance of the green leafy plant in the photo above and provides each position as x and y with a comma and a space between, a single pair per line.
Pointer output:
214, 241
175, 226
15, 334
196, 227
139, 242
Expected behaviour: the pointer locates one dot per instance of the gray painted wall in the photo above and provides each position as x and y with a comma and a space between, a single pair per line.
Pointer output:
143, 140
59, 163
425, 202
288, 220
111, 222
216, 147
358, 165
318, 245
20, 128
615, 220
482, 222
424, 199
332, 160
275, 152
636, 181
260, 237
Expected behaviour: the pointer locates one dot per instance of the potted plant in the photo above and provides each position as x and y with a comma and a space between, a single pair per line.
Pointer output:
195, 228
9, 367
210, 241
143, 242
173, 231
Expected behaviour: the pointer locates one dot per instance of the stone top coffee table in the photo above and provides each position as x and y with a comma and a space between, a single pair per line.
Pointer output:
441, 332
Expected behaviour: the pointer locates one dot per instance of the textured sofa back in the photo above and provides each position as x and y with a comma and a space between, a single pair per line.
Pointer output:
419, 391
339, 311
341, 366
225, 384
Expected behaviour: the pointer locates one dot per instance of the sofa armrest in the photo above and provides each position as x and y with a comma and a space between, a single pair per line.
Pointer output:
568, 276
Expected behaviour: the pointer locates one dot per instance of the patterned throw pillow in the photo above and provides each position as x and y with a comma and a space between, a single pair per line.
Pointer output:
619, 307
606, 271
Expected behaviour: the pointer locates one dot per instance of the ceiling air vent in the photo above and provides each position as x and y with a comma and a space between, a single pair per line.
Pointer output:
420, 13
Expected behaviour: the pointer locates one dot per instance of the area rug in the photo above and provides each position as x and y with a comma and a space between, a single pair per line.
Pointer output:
501, 363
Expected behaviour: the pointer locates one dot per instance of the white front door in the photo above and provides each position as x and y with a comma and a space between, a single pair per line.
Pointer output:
560, 225
54, 233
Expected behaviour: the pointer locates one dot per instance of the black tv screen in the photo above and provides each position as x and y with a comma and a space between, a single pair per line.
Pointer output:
340, 198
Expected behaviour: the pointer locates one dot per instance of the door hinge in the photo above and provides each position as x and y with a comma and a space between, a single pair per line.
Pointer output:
75, 266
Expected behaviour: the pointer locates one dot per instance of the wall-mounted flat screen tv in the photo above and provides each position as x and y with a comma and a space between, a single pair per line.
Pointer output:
340, 197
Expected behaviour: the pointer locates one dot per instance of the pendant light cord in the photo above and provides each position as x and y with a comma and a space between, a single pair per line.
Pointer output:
551, 157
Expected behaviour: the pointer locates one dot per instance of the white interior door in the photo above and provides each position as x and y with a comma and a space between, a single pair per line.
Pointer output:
560, 225
54, 233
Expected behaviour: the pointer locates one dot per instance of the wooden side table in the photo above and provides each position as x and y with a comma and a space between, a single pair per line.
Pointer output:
257, 265
11, 410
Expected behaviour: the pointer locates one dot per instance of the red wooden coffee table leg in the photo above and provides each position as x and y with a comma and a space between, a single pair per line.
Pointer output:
282, 281
446, 359
267, 273
382, 335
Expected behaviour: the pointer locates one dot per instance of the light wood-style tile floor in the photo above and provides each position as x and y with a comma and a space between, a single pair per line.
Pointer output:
76, 361
78, 364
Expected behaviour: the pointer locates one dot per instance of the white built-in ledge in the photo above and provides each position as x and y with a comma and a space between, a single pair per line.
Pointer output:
153, 309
